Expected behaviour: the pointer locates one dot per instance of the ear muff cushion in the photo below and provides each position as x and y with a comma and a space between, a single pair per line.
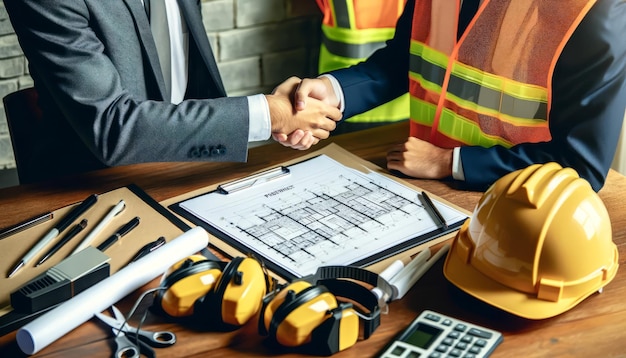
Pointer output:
185, 285
238, 294
299, 314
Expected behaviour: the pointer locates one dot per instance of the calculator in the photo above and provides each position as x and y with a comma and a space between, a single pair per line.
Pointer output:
434, 335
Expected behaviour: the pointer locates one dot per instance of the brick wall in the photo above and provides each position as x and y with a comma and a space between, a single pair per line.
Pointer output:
257, 44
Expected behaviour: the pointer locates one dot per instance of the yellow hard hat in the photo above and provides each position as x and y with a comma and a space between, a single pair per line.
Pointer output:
538, 243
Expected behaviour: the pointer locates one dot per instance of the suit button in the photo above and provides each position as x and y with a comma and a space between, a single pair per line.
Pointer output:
220, 150
194, 152
205, 152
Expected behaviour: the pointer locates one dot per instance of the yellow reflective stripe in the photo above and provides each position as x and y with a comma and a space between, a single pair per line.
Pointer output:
422, 112
514, 102
453, 125
357, 37
464, 130
355, 44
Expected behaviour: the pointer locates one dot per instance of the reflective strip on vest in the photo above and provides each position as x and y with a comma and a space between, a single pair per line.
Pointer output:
477, 90
352, 30
496, 80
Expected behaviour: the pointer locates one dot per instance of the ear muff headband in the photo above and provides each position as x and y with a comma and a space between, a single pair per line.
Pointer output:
361, 295
185, 271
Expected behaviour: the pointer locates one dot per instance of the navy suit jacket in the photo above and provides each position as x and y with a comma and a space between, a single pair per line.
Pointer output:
589, 96
95, 66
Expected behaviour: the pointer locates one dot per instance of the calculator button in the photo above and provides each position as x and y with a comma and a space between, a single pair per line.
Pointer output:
397, 351
469, 355
432, 317
461, 345
435, 355
448, 341
454, 334
460, 327
455, 353
442, 348
479, 333
446, 322
481, 343
474, 350
467, 339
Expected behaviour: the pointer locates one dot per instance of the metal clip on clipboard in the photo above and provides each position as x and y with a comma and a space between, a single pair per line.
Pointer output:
252, 180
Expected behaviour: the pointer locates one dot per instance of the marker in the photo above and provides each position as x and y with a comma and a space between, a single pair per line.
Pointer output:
120, 232
54, 232
104, 222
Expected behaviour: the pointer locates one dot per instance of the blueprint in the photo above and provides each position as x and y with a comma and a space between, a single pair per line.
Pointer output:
322, 213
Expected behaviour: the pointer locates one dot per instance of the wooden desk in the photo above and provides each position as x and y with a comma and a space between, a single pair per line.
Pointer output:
595, 328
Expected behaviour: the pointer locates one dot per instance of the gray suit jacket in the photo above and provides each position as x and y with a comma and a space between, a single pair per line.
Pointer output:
95, 66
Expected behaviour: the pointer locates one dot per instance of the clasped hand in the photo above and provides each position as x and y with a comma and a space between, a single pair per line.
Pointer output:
303, 112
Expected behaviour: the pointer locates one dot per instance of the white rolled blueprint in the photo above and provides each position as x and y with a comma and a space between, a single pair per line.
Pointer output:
52, 325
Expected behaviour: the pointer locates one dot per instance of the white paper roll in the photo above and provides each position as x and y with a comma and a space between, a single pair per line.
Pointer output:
52, 325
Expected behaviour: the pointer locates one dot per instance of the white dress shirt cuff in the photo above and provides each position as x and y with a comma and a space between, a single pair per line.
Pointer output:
337, 89
259, 114
457, 165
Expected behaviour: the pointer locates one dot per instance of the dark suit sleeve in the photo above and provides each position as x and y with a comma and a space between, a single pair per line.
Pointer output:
90, 62
383, 76
589, 96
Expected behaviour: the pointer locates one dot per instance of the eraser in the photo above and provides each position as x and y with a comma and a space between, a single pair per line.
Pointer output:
62, 281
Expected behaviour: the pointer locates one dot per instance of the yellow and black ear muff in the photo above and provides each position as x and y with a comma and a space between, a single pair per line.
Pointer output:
237, 295
320, 317
184, 283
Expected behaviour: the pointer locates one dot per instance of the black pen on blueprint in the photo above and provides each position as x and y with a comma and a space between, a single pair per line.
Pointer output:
433, 211
72, 215
70, 235
118, 235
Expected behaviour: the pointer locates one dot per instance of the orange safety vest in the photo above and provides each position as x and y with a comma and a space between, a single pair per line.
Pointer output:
351, 31
492, 86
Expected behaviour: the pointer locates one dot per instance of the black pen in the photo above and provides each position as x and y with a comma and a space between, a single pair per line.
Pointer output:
68, 219
432, 210
12, 230
148, 248
121, 232
70, 234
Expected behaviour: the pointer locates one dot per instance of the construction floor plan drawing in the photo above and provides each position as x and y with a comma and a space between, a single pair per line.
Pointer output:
322, 213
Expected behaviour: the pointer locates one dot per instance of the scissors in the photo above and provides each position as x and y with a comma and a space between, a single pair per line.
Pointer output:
126, 346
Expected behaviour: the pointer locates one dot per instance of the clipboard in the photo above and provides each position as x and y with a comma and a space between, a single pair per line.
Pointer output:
287, 177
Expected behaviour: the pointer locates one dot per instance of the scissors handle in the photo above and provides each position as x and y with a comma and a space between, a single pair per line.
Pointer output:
125, 348
159, 339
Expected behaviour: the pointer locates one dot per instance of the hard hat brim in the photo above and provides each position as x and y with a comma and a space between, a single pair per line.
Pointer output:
522, 304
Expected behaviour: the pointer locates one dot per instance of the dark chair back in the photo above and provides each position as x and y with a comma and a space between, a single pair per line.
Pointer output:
23, 115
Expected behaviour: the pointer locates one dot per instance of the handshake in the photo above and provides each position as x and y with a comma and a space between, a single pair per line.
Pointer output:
303, 111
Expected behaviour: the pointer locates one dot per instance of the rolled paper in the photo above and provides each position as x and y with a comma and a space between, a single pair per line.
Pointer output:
52, 325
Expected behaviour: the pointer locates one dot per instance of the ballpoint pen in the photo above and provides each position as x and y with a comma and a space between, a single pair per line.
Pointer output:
120, 232
433, 211
148, 248
12, 230
54, 232
70, 235
118, 208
